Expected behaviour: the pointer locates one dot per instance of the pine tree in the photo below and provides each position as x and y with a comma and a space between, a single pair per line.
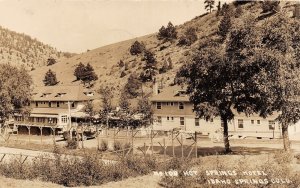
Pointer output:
209, 4
79, 71
50, 78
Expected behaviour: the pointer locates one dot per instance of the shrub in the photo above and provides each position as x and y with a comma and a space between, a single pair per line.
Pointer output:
123, 73
189, 37
168, 33
121, 63
103, 146
117, 145
51, 61
137, 48
72, 144
270, 6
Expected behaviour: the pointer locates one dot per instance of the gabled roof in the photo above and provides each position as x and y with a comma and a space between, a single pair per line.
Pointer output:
61, 93
171, 94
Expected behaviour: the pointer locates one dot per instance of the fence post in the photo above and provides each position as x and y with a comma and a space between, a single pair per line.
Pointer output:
28, 127
173, 143
151, 137
132, 140
165, 150
41, 130
181, 146
196, 147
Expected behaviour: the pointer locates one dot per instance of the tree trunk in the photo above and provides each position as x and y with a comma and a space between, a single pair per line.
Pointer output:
225, 135
285, 136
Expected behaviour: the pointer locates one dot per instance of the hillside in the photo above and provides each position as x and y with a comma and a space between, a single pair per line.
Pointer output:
20, 49
105, 59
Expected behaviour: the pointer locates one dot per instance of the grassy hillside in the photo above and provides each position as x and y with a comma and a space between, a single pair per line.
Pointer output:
20, 49
105, 59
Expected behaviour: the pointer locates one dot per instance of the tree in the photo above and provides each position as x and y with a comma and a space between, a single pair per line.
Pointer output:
189, 37
224, 25
137, 48
89, 74
167, 34
79, 71
124, 102
270, 6
15, 91
150, 67
50, 78
51, 61
106, 99
133, 86
209, 4
144, 107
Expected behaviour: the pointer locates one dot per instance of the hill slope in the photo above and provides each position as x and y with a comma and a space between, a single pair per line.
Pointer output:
21, 49
105, 59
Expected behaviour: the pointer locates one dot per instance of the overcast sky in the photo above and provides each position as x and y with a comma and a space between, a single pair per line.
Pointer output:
78, 25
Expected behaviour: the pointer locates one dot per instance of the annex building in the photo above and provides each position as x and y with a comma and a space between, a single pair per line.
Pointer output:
173, 110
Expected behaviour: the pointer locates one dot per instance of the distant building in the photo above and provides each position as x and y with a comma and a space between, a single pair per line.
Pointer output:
55, 107
173, 110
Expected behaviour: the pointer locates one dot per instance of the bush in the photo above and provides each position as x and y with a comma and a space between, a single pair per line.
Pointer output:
117, 145
189, 37
72, 144
270, 6
123, 73
51, 61
137, 48
167, 34
103, 146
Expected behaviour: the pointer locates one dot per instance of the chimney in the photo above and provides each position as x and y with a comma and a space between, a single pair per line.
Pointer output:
297, 10
155, 88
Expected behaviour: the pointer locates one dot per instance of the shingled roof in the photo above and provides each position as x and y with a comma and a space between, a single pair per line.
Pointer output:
61, 93
171, 94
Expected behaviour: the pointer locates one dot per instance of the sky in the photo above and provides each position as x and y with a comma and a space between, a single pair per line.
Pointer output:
78, 25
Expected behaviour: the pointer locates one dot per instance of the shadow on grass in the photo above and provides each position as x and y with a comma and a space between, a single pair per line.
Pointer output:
216, 150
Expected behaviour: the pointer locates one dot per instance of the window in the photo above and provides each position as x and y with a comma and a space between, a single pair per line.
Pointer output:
197, 123
258, 122
36, 104
57, 104
49, 104
240, 124
64, 119
167, 103
73, 104
158, 105
171, 103
252, 121
181, 106
172, 118
159, 119
168, 118
181, 120
271, 125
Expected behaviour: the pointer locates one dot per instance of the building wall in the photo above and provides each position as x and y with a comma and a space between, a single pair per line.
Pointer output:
45, 104
253, 126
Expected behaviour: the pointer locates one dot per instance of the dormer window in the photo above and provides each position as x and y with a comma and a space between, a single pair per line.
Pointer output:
181, 93
181, 106
89, 94
60, 94
45, 95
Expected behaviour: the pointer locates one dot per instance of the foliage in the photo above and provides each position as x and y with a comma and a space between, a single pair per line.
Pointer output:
85, 73
144, 107
121, 63
270, 6
117, 145
50, 78
209, 4
15, 92
106, 96
103, 146
137, 48
89, 108
51, 61
189, 37
224, 26
124, 102
150, 67
132, 87
123, 74
168, 33
72, 144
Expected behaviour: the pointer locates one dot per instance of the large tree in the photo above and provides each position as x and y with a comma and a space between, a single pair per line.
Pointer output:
15, 90
209, 4
50, 78
256, 70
